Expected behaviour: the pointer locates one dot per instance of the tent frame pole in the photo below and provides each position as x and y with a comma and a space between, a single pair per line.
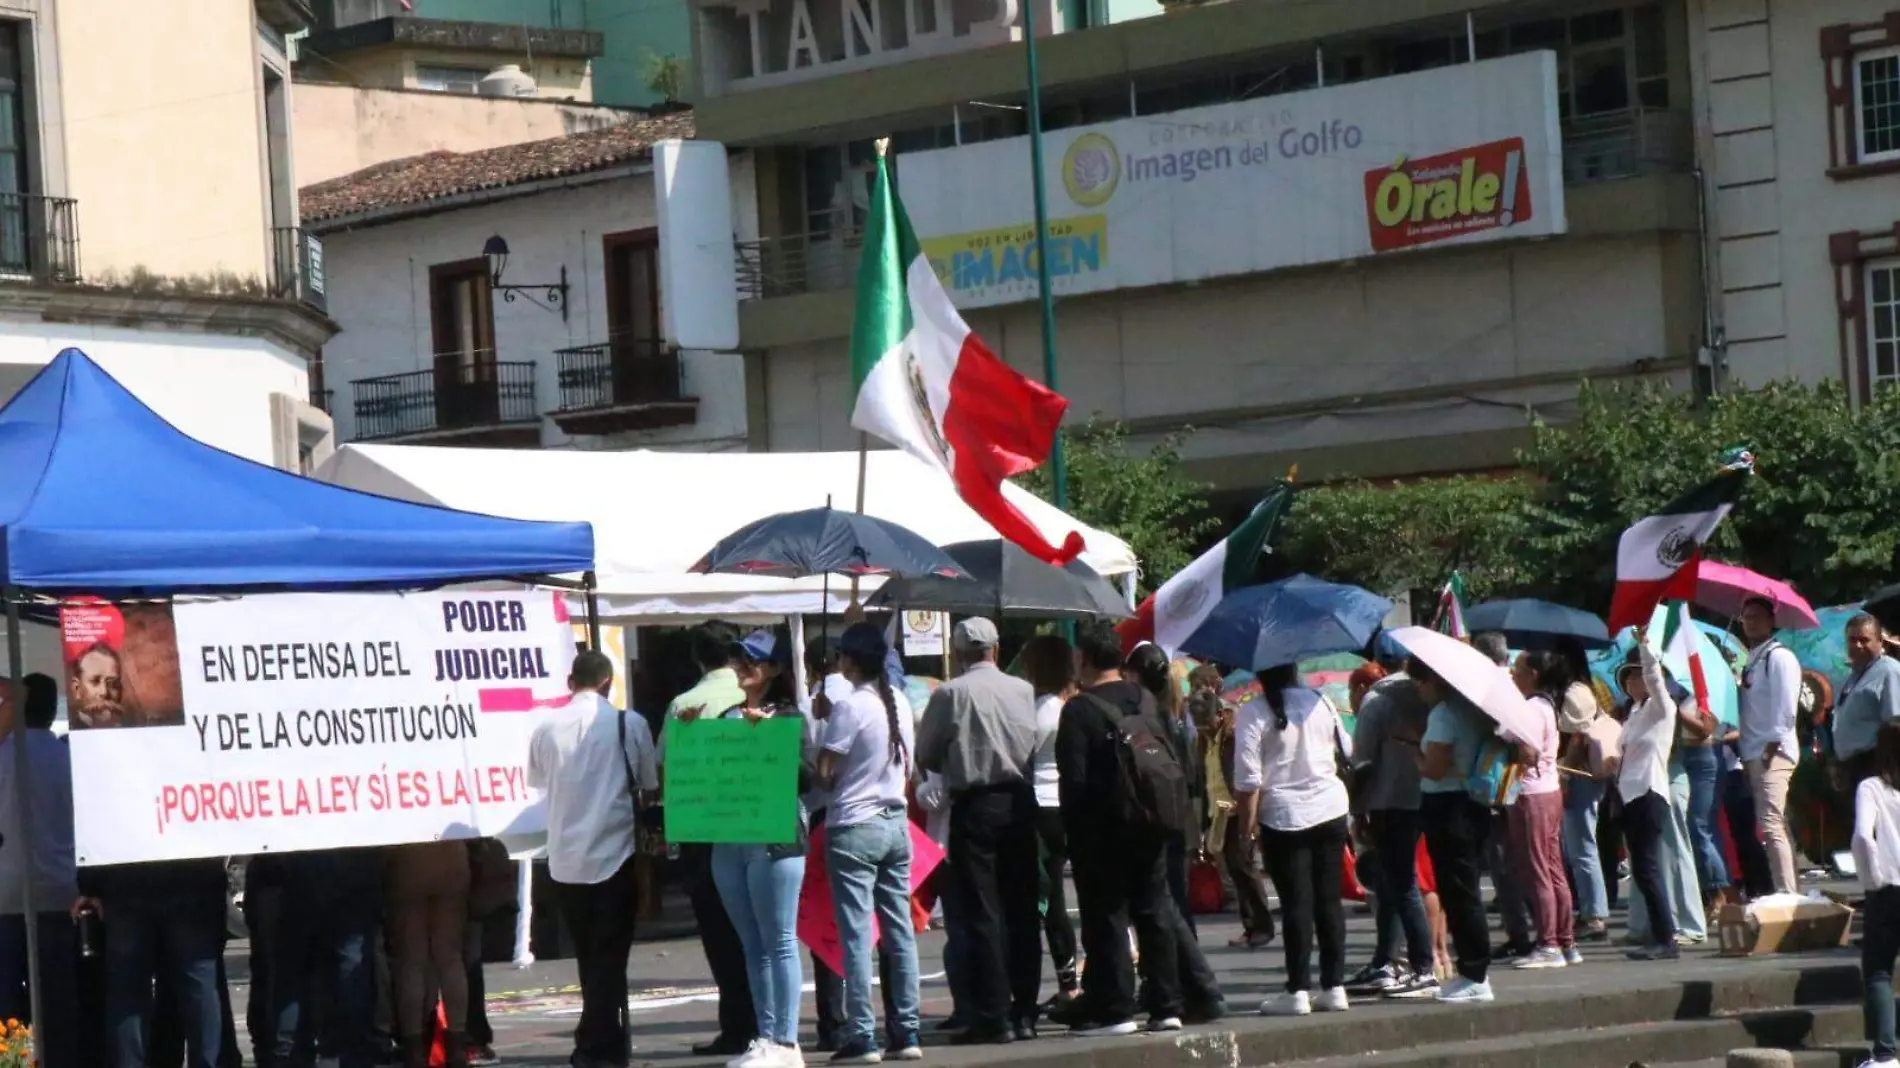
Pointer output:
22, 804
593, 611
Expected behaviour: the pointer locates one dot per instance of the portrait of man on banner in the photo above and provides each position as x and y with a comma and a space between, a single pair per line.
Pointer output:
121, 665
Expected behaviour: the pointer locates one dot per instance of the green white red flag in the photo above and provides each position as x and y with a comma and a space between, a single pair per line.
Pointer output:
1172, 613
1679, 640
928, 385
1451, 608
1657, 558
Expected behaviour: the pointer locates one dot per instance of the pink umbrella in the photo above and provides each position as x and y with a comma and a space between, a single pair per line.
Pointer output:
1723, 588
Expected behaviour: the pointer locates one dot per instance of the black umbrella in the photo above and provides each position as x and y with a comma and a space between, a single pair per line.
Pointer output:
1009, 582
1528, 624
824, 541
1884, 605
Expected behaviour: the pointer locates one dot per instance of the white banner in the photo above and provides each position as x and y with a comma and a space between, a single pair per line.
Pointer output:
307, 721
1460, 154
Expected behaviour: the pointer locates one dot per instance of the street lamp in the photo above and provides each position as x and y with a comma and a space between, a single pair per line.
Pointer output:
495, 251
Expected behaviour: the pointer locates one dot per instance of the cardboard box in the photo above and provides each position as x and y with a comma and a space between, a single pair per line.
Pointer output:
1816, 923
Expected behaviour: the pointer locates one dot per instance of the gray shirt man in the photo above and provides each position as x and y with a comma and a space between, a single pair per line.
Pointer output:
1388, 769
980, 727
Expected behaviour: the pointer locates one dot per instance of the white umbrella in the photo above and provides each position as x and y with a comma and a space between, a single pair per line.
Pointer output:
1471, 673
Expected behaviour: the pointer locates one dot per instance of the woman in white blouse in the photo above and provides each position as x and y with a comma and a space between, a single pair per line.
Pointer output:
1877, 859
1288, 743
1643, 784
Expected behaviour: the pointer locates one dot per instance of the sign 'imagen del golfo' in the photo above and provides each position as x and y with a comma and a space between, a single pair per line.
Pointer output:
1420, 201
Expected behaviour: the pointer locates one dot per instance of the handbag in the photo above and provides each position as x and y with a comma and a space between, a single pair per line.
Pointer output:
1205, 893
491, 884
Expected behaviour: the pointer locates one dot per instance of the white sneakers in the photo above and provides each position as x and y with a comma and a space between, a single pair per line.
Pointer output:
763, 1053
1300, 1003
1541, 957
1463, 991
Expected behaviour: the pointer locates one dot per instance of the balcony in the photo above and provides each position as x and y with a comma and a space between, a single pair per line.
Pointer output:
296, 267
39, 238
1625, 144
461, 401
623, 384
814, 262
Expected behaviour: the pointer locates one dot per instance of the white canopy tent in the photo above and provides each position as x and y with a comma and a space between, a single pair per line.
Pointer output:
656, 513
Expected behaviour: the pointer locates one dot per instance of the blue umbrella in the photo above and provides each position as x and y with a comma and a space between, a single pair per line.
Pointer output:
825, 541
1285, 622
1528, 624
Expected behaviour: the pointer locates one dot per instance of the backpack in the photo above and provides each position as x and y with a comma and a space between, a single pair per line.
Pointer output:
1496, 777
1151, 797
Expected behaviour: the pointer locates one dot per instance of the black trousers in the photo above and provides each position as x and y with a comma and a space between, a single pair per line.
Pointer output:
1308, 867
1057, 930
1456, 829
1610, 842
1738, 803
1119, 882
995, 874
1241, 852
599, 916
724, 954
480, 1031
1643, 821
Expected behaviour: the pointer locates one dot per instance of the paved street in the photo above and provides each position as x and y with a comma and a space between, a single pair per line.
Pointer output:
533, 1009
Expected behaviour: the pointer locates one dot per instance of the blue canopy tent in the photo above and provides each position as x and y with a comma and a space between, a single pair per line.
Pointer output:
100, 495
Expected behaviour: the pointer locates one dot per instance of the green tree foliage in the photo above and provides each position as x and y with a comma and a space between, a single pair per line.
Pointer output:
1822, 511
1144, 499
1410, 536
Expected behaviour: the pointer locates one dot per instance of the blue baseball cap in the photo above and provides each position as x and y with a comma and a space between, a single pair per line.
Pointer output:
757, 646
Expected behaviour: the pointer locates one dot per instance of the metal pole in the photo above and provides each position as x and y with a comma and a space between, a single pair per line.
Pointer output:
1057, 467
1471, 39
593, 612
23, 806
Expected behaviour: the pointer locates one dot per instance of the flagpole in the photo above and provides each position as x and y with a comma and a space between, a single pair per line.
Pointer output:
1058, 469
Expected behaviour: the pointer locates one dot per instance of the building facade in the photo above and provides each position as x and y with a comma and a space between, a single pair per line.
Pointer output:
1232, 247
512, 296
157, 230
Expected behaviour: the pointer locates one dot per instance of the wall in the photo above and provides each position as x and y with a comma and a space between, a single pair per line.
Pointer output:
164, 135
340, 128
1773, 203
1455, 342
215, 388
379, 293
633, 32
389, 67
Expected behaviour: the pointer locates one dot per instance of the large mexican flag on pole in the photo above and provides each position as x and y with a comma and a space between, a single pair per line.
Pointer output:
1658, 557
929, 386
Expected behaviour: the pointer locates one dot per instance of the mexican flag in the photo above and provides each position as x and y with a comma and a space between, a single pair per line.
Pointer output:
1657, 558
1679, 642
929, 386
1172, 613
1451, 608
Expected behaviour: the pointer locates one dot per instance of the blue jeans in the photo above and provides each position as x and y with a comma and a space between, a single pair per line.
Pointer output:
1580, 847
182, 936
57, 1035
761, 896
870, 870
1704, 767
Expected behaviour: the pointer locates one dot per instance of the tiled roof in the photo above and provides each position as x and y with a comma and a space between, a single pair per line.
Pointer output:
417, 180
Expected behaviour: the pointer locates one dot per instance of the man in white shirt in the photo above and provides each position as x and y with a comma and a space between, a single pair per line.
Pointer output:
1771, 695
55, 879
594, 761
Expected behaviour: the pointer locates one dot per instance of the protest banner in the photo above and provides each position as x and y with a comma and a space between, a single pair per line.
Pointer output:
306, 721
817, 912
728, 780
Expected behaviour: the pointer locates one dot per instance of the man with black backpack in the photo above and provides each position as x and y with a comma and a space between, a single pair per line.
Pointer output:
1123, 791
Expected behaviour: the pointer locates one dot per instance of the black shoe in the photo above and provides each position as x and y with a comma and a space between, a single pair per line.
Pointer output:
723, 1045
1204, 1012
1666, 951
1024, 1031
988, 1035
1507, 953
1064, 1010
951, 1023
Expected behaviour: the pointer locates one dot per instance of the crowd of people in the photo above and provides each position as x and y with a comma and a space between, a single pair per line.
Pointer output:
1062, 758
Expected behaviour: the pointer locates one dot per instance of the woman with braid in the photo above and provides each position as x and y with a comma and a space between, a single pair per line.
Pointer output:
865, 762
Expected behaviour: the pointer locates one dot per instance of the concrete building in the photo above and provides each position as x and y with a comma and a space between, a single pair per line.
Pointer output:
556, 338
148, 214
385, 44
1226, 255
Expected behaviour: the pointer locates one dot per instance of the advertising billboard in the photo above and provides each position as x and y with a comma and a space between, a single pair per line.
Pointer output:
1456, 155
